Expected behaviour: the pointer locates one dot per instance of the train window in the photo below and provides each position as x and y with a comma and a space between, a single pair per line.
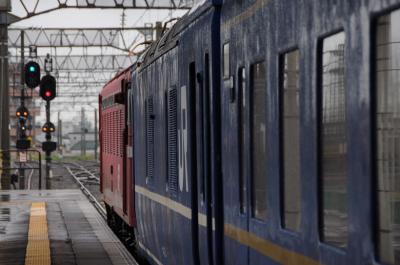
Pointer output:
242, 139
387, 117
333, 151
258, 141
290, 122
226, 60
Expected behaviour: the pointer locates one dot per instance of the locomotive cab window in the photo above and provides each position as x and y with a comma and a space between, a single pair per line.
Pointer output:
258, 141
387, 133
333, 142
290, 140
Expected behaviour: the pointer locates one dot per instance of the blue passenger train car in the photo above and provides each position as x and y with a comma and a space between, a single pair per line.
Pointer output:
267, 132
177, 143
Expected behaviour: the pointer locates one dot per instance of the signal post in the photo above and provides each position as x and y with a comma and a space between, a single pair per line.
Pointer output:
48, 93
30, 76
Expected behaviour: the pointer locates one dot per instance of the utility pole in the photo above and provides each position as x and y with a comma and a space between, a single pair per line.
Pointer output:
48, 93
95, 134
21, 179
5, 6
58, 132
83, 136
48, 153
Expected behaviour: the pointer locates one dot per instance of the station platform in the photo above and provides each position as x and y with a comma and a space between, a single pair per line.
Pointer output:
55, 227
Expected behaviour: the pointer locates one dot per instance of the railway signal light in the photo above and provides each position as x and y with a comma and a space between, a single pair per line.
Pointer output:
32, 74
48, 127
22, 111
48, 87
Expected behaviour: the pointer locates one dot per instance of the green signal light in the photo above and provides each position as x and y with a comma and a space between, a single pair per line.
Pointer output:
32, 69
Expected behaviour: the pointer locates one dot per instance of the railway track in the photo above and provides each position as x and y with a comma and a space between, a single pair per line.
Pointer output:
85, 176
29, 183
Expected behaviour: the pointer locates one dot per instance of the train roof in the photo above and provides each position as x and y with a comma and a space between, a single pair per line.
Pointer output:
171, 38
113, 86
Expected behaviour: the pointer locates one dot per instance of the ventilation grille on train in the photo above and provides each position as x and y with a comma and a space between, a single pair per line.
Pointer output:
112, 132
172, 141
150, 138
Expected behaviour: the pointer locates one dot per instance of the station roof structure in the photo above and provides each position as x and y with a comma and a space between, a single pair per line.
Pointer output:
37, 7
84, 58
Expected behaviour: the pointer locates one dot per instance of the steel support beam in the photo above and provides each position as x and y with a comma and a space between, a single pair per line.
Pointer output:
119, 38
38, 7
85, 62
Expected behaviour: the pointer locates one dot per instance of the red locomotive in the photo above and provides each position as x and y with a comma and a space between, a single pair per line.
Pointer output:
116, 154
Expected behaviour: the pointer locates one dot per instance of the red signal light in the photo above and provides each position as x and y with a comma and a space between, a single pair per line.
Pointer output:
48, 87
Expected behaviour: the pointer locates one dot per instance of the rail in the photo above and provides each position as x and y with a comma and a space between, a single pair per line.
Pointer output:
85, 170
87, 193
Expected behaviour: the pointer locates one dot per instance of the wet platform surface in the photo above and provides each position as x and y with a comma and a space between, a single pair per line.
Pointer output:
60, 223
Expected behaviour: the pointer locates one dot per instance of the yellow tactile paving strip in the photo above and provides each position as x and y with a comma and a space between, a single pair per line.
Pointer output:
38, 249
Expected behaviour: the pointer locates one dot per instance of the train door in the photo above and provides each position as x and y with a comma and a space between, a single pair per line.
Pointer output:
123, 145
236, 160
101, 142
194, 126
128, 154
125, 162
242, 125
204, 184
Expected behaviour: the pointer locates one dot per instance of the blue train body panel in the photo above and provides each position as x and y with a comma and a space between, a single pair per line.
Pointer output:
168, 228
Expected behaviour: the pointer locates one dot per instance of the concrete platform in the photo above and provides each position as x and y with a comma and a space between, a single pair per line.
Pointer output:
55, 227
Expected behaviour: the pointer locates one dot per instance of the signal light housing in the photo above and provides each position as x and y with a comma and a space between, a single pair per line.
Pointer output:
22, 111
23, 144
49, 146
48, 127
32, 74
48, 87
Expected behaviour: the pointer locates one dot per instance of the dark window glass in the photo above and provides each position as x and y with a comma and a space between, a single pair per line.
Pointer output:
258, 142
226, 60
334, 142
291, 143
388, 137
242, 139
